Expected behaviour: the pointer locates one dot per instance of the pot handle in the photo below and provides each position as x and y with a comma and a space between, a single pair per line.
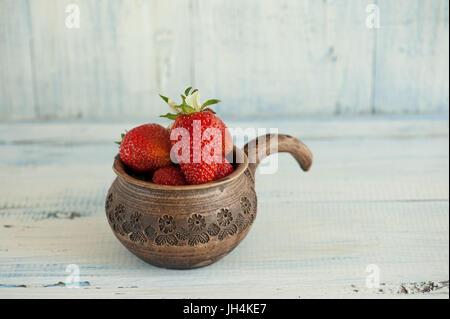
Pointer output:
286, 143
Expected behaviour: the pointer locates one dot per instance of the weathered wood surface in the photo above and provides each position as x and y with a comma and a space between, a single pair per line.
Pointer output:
378, 193
260, 57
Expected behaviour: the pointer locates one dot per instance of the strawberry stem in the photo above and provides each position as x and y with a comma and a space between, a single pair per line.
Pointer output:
184, 107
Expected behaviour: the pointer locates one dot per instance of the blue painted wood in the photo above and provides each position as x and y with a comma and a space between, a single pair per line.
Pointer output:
411, 71
261, 58
377, 193
17, 95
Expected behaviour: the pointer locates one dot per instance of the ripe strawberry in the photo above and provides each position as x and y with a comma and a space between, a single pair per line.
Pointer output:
223, 169
201, 166
146, 148
198, 173
170, 175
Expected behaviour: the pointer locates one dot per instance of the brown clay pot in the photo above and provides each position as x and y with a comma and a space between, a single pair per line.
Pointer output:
191, 226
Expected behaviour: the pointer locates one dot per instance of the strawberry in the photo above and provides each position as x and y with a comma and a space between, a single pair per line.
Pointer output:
198, 173
170, 175
145, 148
201, 164
223, 169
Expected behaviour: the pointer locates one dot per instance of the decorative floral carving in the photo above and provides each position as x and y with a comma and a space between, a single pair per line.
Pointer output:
245, 205
253, 212
118, 229
224, 217
108, 202
213, 230
135, 218
195, 231
110, 215
182, 234
252, 218
150, 232
241, 222
138, 236
195, 235
166, 239
119, 212
166, 224
127, 227
133, 227
133, 224
199, 238
229, 231
196, 223
116, 216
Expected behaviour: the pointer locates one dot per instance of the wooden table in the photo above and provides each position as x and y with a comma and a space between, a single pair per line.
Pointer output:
376, 199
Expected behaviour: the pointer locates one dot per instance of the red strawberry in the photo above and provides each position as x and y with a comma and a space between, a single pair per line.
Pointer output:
223, 169
208, 120
146, 148
212, 135
170, 175
198, 173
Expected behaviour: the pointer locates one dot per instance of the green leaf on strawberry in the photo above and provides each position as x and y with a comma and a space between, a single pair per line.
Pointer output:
170, 116
187, 109
190, 103
165, 98
210, 102
121, 138
187, 113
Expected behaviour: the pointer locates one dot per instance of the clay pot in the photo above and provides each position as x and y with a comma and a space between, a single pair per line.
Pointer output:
191, 226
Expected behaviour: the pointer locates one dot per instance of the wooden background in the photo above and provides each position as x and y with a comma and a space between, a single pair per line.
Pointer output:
262, 58
377, 193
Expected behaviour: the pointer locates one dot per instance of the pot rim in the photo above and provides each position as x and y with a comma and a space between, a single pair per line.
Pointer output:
119, 169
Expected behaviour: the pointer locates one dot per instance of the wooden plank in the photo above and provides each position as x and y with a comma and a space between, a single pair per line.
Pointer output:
323, 253
16, 61
368, 199
262, 58
413, 41
113, 66
284, 57
313, 128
